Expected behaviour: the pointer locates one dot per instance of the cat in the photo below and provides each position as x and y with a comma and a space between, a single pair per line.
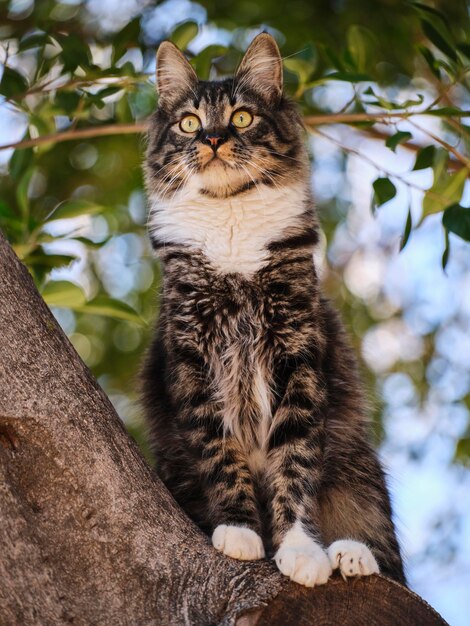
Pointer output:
250, 387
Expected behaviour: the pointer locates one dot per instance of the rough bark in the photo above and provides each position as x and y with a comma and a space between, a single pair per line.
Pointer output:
88, 534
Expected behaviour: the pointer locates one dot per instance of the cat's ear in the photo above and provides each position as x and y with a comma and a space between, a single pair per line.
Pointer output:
261, 68
175, 76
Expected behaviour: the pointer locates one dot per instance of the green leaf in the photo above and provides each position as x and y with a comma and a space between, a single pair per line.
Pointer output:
203, 61
37, 40
349, 77
430, 60
438, 40
431, 11
67, 101
446, 253
75, 52
22, 191
456, 219
399, 137
75, 208
108, 307
464, 48
425, 158
20, 161
446, 190
63, 293
462, 451
126, 38
13, 83
89, 243
407, 231
390, 105
448, 112
384, 190
183, 34
332, 57
360, 43
303, 69
48, 261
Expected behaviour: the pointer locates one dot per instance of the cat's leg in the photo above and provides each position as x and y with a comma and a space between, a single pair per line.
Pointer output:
292, 480
232, 512
356, 517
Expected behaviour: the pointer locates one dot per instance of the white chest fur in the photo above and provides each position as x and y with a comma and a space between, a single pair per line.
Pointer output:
231, 232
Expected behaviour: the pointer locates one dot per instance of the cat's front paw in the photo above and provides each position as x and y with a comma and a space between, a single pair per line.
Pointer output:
307, 565
352, 558
238, 542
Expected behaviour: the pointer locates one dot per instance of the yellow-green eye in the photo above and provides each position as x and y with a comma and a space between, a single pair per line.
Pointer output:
242, 119
190, 124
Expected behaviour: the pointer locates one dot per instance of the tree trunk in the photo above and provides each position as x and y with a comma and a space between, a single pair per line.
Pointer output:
90, 536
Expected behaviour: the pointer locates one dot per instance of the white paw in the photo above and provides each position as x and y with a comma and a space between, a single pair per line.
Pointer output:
307, 565
238, 542
352, 558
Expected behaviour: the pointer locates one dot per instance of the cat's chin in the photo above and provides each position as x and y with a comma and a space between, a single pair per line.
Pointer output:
221, 180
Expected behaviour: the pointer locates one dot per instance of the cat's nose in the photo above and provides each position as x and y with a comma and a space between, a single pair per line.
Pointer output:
214, 140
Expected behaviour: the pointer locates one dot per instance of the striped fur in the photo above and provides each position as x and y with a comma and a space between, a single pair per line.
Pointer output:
250, 387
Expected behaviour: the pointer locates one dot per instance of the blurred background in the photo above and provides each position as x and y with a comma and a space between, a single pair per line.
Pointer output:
390, 186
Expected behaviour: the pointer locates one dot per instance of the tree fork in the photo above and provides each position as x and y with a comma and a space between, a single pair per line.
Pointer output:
89, 536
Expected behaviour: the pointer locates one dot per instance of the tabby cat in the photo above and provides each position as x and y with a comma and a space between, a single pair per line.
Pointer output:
250, 387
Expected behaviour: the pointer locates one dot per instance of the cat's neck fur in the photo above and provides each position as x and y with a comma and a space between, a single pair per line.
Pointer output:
233, 233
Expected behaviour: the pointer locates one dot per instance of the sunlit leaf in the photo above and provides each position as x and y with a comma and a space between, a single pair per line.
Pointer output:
22, 191
360, 44
48, 261
62, 293
75, 208
183, 34
203, 61
108, 307
447, 189
456, 219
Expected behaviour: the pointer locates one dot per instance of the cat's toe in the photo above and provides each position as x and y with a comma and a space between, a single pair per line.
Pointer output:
307, 565
238, 542
352, 558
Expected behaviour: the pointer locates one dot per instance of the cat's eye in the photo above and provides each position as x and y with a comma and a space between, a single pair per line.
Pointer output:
242, 119
190, 124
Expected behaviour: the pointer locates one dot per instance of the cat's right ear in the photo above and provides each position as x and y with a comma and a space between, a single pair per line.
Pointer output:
175, 76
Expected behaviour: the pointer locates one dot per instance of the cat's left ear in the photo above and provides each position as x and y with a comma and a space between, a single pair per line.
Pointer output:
261, 68
175, 75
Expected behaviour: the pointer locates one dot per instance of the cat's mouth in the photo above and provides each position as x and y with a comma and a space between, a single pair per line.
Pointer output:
215, 160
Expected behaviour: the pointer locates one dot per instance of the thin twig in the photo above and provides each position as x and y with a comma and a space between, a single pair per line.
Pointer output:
80, 133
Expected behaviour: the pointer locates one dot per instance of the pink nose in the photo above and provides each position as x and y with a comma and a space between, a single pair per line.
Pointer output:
213, 140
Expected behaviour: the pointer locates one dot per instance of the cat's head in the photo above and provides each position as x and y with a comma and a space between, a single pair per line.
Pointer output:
223, 137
